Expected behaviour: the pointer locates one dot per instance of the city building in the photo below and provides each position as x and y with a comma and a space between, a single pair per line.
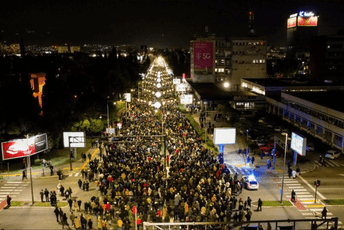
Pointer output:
301, 27
327, 57
317, 113
217, 59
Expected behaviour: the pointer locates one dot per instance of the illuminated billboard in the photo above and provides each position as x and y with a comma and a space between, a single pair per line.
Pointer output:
307, 21
186, 99
24, 147
224, 136
74, 139
298, 144
291, 22
203, 52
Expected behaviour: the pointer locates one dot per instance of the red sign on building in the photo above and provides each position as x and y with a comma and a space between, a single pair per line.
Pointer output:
203, 54
291, 22
311, 21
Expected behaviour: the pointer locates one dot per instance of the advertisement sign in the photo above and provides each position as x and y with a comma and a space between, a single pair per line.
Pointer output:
291, 22
203, 55
74, 139
224, 136
181, 87
186, 99
311, 21
110, 130
127, 97
24, 147
176, 81
298, 144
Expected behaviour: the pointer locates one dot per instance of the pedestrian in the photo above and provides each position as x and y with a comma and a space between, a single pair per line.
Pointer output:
24, 174
268, 163
89, 156
261, 155
298, 171
249, 200
90, 223
46, 193
51, 170
57, 213
72, 218
324, 213
77, 223
80, 183
64, 220
293, 194
289, 172
260, 204
79, 203
253, 159
269, 226
42, 195
70, 203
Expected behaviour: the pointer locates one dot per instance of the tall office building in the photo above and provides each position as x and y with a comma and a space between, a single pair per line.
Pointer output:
301, 27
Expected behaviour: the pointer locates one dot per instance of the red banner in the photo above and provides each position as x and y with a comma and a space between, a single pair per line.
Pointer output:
311, 21
203, 54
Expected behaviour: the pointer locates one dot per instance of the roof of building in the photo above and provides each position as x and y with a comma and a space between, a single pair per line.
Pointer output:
210, 91
266, 82
327, 99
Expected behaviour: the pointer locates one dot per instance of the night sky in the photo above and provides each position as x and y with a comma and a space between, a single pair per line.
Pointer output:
160, 23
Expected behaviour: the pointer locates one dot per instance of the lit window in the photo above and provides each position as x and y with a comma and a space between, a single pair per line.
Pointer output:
215, 61
260, 61
328, 46
263, 60
254, 61
215, 69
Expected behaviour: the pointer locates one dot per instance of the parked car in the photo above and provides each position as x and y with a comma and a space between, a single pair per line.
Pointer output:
332, 154
310, 147
250, 182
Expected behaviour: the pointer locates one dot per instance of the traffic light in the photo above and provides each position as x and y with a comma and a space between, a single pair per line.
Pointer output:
317, 183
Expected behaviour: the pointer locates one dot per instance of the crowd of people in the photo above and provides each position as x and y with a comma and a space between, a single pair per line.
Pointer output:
157, 168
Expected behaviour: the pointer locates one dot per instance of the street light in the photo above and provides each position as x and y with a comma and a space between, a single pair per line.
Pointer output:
226, 84
107, 105
247, 134
285, 154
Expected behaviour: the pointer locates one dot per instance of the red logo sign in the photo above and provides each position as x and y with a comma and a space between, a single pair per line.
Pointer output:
291, 22
203, 54
311, 21
18, 148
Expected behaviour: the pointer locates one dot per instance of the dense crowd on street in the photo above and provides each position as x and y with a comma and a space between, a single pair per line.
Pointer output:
135, 176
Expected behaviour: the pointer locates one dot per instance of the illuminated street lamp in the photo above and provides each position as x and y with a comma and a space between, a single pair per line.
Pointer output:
158, 94
157, 105
108, 118
158, 85
226, 84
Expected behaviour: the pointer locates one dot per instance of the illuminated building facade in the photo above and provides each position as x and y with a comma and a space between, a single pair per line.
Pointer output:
301, 27
218, 59
37, 81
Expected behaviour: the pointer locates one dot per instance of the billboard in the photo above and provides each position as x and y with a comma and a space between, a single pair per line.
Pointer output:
186, 99
298, 144
180, 87
74, 139
291, 22
307, 21
24, 147
203, 52
224, 136
176, 81
127, 97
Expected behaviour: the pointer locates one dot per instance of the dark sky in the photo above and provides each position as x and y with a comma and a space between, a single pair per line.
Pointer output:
162, 23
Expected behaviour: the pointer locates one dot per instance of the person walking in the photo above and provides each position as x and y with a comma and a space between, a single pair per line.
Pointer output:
57, 213
77, 223
324, 213
260, 204
293, 194
249, 201
72, 218
46, 193
42, 195
253, 159
64, 221
24, 174
90, 223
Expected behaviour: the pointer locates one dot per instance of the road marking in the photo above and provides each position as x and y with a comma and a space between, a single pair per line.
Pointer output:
315, 205
341, 174
6, 196
10, 193
6, 190
296, 187
17, 190
303, 193
76, 174
311, 187
316, 209
294, 184
70, 175
307, 214
8, 187
15, 182
300, 190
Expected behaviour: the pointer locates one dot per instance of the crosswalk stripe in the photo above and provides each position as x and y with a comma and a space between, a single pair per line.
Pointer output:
300, 189
76, 174
307, 214
15, 182
296, 187
6, 190
316, 209
8, 187
6, 196
10, 193
294, 184
303, 193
